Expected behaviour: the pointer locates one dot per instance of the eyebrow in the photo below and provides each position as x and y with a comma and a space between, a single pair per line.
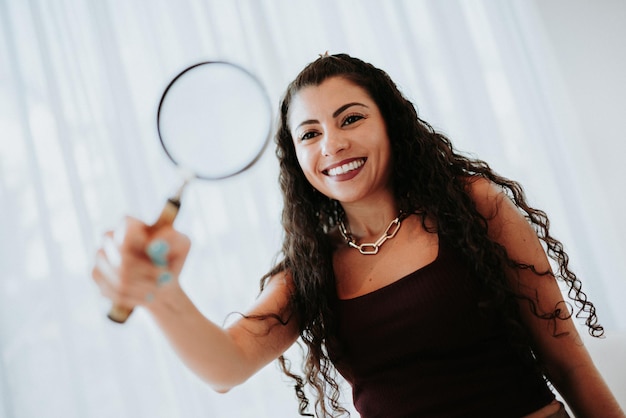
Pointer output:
335, 113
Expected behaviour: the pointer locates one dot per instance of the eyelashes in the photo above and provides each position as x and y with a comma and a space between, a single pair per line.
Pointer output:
346, 121
352, 118
308, 135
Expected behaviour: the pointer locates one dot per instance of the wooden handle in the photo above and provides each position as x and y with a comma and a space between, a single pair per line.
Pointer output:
119, 313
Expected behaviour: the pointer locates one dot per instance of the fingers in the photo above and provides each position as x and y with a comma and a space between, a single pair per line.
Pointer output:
170, 248
158, 251
134, 263
128, 285
103, 274
135, 237
109, 250
131, 235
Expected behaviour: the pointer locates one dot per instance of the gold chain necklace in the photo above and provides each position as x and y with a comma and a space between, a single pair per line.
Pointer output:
373, 247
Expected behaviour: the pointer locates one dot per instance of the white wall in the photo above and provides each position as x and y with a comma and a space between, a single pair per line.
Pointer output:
587, 43
586, 53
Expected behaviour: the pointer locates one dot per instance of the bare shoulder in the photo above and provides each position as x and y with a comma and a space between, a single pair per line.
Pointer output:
506, 223
495, 205
487, 196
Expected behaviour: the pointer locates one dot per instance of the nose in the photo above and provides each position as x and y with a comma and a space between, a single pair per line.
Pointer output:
334, 142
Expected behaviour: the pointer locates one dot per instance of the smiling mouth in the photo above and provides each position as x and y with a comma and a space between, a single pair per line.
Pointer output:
345, 168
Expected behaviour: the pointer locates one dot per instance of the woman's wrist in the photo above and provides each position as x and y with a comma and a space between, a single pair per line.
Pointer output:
168, 300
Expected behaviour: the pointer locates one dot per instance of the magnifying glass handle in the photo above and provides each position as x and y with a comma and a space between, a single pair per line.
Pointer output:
168, 214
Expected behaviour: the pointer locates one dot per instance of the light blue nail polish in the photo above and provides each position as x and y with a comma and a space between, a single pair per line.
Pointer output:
149, 297
164, 277
157, 251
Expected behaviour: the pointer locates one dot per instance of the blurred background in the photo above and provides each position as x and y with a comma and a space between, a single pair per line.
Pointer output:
534, 87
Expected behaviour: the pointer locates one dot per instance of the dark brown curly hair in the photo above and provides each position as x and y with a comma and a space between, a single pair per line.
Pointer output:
430, 180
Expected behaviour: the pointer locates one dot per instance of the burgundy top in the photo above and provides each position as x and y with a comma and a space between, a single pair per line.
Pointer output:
421, 347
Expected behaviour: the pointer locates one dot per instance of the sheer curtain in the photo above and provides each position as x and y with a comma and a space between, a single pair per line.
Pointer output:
79, 85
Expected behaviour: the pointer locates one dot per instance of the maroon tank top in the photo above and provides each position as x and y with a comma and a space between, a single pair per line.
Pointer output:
422, 347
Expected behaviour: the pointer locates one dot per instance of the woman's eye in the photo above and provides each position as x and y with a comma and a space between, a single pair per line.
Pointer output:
308, 135
351, 119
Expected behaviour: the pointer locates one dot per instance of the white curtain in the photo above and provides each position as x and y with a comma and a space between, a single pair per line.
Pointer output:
79, 85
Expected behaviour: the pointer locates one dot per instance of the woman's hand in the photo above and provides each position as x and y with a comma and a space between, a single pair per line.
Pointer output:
135, 264
140, 267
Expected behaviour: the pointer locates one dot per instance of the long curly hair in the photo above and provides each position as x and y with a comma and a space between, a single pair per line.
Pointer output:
429, 179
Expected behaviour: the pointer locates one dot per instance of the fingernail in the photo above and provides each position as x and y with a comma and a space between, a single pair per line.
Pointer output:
164, 277
157, 251
149, 297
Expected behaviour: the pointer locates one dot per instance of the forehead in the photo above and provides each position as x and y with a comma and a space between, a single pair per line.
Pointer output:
323, 99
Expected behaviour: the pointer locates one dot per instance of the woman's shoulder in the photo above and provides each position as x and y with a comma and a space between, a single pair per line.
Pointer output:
480, 186
487, 195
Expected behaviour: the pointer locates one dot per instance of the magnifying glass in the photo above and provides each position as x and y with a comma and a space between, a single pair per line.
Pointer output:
214, 121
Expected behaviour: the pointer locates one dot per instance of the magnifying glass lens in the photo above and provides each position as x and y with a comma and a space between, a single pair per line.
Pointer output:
214, 120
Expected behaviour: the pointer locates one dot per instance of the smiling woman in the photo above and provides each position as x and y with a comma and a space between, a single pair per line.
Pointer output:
341, 141
467, 269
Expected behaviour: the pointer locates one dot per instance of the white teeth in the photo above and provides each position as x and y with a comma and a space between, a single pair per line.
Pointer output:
353, 165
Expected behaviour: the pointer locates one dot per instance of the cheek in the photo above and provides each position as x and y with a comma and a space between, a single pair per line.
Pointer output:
307, 165
304, 159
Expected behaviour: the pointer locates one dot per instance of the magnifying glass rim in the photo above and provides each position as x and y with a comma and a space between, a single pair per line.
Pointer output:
261, 89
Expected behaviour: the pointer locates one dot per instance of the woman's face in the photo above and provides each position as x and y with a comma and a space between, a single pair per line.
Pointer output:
341, 141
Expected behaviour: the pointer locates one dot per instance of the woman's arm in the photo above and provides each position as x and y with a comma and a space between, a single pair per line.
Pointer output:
223, 357
568, 364
227, 357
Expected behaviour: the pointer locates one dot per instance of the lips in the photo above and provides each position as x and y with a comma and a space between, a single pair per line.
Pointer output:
344, 167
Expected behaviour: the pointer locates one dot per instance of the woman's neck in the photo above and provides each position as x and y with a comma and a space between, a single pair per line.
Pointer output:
369, 221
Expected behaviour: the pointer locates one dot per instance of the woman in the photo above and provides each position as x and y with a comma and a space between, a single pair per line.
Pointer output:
416, 272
